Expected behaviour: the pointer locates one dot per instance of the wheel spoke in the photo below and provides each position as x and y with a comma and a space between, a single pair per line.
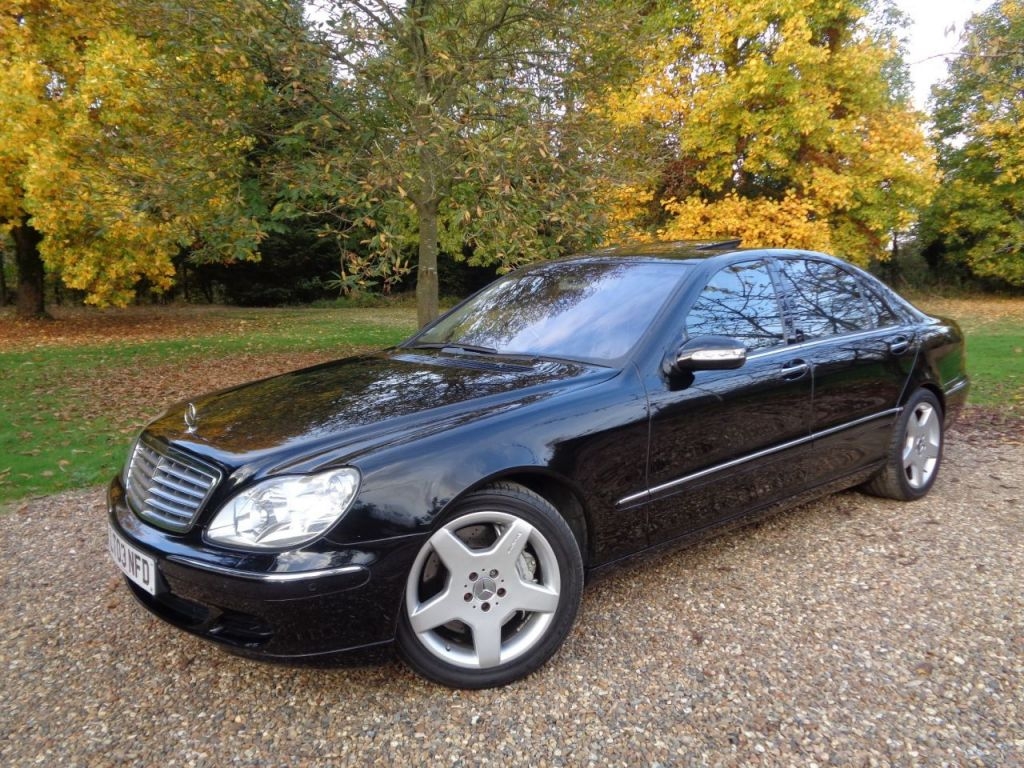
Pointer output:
534, 598
437, 611
487, 643
452, 550
908, 451
511, 543
923, 422
914, 473
929, 415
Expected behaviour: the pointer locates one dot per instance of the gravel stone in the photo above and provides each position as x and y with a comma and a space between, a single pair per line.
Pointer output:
851, 631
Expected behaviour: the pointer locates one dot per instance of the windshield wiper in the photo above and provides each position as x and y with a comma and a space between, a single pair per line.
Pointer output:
443, 345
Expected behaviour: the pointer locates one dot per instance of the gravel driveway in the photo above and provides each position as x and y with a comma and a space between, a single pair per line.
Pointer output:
853, 631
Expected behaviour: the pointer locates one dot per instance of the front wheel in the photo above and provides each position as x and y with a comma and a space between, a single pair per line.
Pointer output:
915, 451
493, 592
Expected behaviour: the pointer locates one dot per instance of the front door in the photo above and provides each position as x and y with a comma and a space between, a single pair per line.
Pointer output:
729, 441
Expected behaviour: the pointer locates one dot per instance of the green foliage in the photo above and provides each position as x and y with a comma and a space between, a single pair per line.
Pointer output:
453, 124
291, 270
405, 143
977, 218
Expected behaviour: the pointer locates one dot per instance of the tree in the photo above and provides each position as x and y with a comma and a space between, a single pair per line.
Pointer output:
978, 214
123, 141
783, 122
454, 124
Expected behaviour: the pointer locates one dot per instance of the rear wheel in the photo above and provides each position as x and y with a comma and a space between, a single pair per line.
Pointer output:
915, 451
493, 592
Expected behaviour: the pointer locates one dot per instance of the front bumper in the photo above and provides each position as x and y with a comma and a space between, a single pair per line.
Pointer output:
272, 606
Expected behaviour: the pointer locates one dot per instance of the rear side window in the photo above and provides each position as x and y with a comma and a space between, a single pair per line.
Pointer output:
881, 312
740, 302
821, 300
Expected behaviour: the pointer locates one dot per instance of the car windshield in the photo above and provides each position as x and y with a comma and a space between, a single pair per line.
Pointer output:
582, 310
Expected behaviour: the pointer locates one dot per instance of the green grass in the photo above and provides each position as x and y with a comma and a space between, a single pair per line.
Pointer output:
70, 410
995, 361
49, 438
70, 407
995, 348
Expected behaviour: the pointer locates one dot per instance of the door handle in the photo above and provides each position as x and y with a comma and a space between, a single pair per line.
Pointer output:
795, 369
899, 345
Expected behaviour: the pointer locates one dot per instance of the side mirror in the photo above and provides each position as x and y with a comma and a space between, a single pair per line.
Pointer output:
706, 353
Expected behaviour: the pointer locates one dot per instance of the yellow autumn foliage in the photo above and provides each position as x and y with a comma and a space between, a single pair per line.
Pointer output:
786, 118
627, 205
120, 146
786, 223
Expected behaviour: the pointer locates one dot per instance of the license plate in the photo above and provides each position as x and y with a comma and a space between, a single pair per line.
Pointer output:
137, 566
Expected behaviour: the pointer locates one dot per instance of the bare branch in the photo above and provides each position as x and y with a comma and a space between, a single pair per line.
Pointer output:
390, 26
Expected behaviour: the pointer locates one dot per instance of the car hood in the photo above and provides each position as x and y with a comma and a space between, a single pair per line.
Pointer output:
348, 406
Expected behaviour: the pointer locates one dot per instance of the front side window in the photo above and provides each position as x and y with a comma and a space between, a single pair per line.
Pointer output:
821, 300
739, 302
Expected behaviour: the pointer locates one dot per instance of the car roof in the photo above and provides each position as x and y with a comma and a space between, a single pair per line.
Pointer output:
714, 254
671, 249
691, 251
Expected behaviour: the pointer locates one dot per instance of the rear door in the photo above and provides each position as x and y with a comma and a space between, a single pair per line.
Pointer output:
861, 354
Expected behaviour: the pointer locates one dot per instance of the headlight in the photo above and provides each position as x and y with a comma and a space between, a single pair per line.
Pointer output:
284, 512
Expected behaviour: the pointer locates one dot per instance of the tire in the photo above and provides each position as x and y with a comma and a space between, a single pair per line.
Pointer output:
915, 451
493, 592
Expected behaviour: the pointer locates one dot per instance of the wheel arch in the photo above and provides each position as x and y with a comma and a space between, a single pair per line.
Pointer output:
932, 387
556, 490
939, 394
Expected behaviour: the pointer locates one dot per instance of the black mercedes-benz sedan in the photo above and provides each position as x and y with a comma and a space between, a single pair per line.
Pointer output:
452, 493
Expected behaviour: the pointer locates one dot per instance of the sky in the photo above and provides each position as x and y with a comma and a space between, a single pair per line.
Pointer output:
928, 38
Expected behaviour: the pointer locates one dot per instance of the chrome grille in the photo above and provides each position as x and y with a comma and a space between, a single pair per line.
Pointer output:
167, 491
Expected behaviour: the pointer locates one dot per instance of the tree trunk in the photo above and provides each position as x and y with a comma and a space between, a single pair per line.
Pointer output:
894, 261
31, 298
426, 274
3, 282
